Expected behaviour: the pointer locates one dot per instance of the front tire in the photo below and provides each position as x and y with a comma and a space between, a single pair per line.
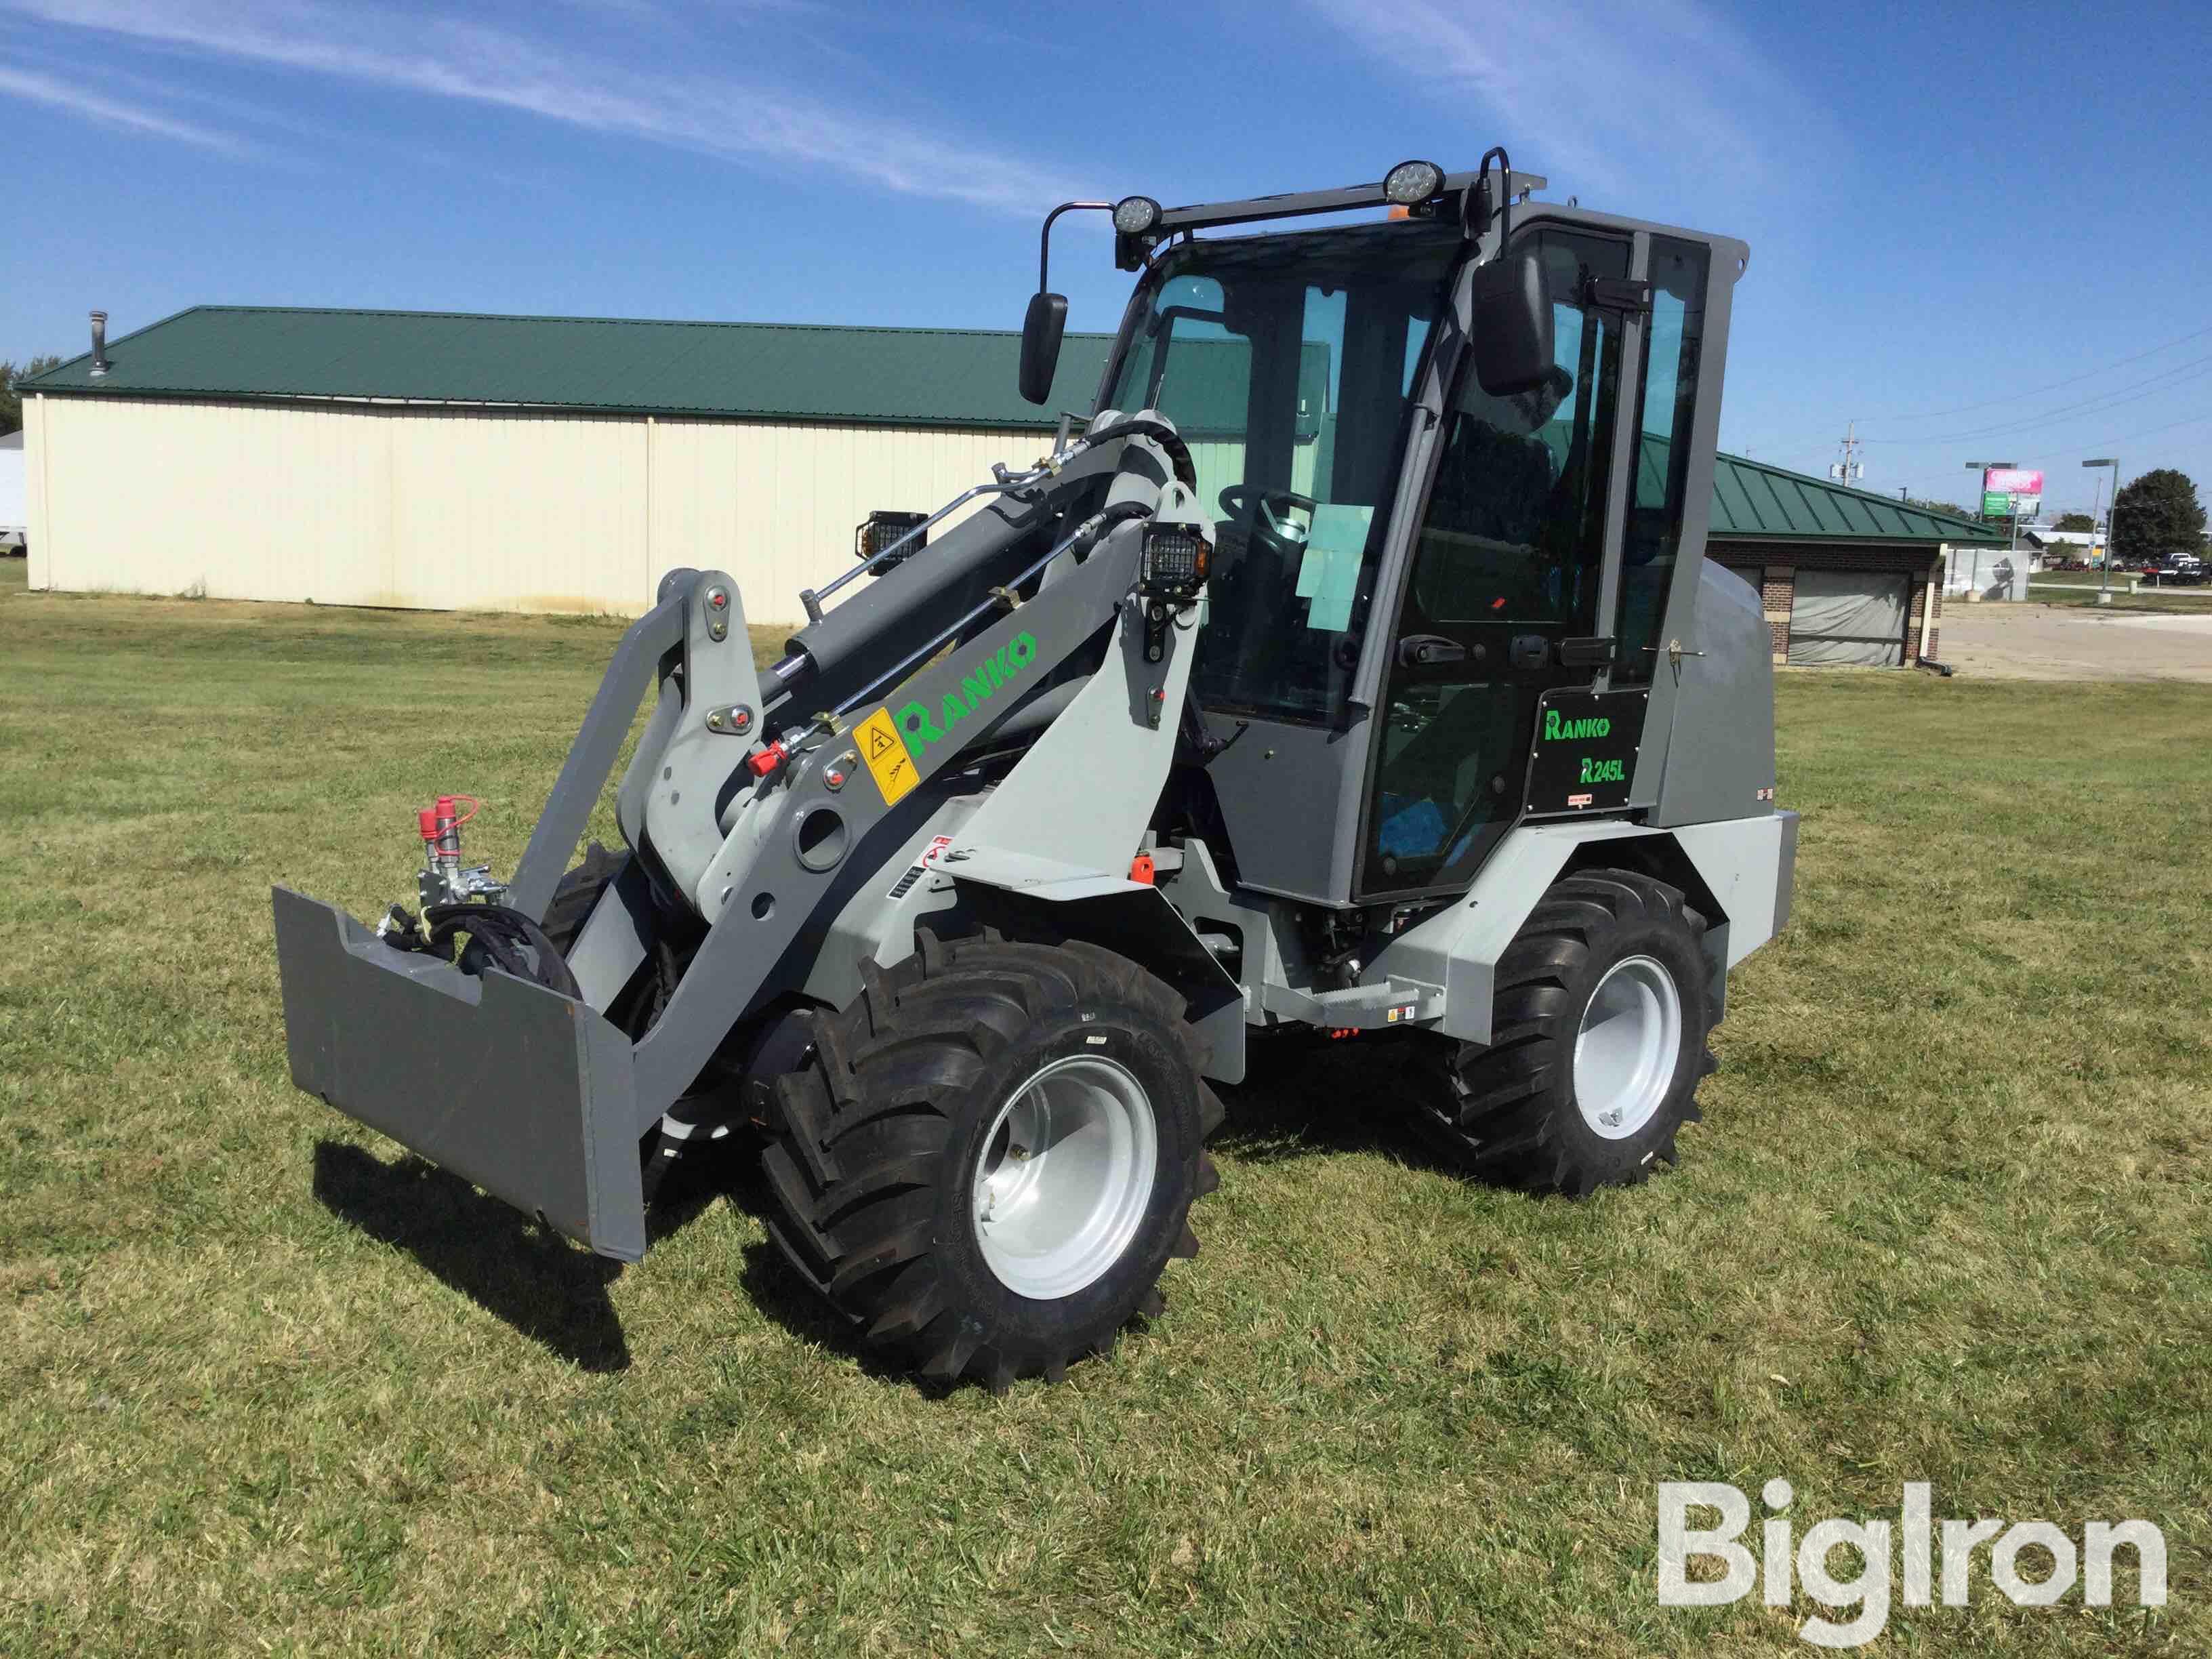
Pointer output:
1602, 1009
904, 1184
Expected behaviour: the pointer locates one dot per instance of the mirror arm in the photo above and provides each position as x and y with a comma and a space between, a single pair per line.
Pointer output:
1044, 240
1502, 207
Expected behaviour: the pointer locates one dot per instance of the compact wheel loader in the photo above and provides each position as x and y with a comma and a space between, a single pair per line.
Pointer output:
1353, 669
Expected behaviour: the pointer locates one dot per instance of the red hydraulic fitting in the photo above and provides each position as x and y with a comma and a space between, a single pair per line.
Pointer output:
771, 757
1140, 868
426, 819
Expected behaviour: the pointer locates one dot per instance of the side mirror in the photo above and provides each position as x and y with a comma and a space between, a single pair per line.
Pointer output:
1041, 330
1512, 323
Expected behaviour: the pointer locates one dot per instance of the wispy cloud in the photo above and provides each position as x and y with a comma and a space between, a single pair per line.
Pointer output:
719, 115
1591, 94
58, 93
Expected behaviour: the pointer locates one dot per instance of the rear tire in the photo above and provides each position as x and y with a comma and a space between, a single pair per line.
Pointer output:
894, 1146
1602, 1009
574, 897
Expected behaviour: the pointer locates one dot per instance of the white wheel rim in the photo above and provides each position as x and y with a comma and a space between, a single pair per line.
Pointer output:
1064, 1176
1627, 1048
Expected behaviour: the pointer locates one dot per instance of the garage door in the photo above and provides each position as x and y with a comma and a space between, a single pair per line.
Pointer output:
1849, 617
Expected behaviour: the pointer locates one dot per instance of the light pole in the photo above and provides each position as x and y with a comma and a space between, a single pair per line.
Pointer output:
2011, 519
2111, 512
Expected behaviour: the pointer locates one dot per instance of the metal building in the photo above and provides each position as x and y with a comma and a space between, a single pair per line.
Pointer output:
505, 463
440, 461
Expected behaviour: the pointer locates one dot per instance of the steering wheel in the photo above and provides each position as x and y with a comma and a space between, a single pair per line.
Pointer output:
1277, 527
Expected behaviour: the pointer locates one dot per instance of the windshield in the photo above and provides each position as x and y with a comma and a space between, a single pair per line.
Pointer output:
1287, 363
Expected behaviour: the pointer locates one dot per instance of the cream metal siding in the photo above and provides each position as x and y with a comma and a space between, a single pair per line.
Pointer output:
34, 493
448, 509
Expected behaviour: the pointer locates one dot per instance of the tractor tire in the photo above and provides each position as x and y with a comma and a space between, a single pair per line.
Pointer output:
988, 1159
566, 911
1601, 1011
576, 892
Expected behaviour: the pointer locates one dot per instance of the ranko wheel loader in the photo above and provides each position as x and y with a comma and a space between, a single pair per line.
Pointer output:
1354, 668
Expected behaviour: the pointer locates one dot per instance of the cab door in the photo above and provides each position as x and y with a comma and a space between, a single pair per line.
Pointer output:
1498, 624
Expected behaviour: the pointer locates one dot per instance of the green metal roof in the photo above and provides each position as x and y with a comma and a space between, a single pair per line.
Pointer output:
1753, 501
778, 371
891, 376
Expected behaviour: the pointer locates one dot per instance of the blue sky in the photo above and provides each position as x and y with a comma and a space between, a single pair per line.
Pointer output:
1962, 218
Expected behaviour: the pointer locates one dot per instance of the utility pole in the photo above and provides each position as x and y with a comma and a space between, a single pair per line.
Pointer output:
2111, 516
1850, 467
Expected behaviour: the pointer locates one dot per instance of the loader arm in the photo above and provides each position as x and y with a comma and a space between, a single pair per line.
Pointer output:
541, 1098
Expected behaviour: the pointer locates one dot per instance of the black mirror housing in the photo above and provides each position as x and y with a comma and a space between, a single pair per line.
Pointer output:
1512, 324
1041, 332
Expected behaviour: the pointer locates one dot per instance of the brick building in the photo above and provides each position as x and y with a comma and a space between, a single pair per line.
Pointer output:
1847, 577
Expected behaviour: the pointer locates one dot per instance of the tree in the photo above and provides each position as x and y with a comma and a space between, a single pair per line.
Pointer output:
11, 401
1951, 507
2157, 515
2075, 521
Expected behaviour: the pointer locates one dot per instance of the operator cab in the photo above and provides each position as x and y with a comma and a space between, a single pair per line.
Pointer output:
1413, 567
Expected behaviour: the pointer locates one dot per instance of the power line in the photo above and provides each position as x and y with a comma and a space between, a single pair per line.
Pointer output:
2034, 391
2164, 380
2147, 432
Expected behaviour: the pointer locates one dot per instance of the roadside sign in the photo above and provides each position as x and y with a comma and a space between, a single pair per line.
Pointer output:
2011, 492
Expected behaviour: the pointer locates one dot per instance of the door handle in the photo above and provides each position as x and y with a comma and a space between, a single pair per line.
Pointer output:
1674, 651
1421, 650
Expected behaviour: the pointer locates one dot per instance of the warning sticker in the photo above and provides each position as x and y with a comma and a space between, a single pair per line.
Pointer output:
888, 761
914, 871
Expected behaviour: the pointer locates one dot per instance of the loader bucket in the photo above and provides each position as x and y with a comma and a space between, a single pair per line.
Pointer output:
526, 1093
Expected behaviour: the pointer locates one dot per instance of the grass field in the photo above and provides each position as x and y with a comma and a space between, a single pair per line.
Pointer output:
2080, 587
274, 1388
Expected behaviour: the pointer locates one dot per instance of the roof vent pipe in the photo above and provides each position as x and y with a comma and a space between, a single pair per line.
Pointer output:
100, 342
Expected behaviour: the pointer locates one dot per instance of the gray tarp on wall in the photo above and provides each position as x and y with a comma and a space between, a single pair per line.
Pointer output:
1849, 617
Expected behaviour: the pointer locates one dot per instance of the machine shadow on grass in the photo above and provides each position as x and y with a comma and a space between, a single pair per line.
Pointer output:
1292, 1103
508, 1263
555, 1292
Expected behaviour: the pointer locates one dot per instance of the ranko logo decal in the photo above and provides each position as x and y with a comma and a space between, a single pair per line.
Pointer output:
1558, 731
988, 675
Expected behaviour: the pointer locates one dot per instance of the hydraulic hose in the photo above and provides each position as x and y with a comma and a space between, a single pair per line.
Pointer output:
1159, 432
497, 935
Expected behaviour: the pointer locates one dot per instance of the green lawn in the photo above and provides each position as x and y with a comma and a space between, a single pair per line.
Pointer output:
273, 1388
2044, 587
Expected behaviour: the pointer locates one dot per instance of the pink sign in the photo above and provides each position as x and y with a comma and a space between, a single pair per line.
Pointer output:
2011, 480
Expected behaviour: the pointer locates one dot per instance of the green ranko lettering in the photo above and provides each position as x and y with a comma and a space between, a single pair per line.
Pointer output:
985, 677
1556, 729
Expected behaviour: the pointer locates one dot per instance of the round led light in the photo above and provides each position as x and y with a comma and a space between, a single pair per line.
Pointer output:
1410, 182
1136, 215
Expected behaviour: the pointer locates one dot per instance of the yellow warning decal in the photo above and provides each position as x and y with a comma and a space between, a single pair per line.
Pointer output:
888, 764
